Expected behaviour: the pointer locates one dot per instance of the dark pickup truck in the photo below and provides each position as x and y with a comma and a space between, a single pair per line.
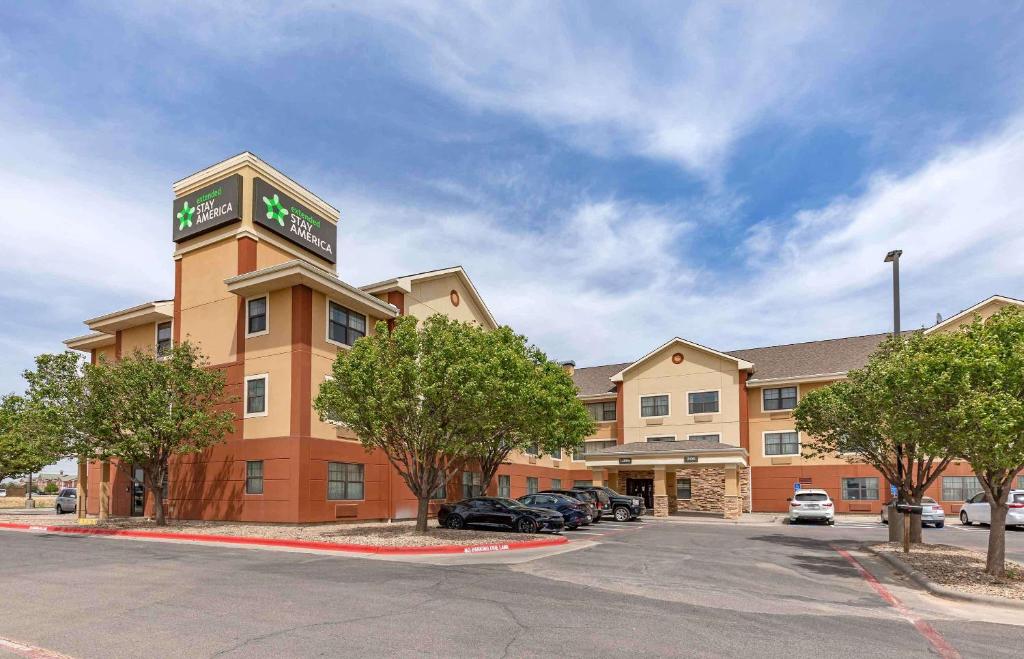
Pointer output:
622, 507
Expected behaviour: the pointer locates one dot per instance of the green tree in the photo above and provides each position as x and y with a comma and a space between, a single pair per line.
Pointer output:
901, 407
51, 488
21, 451
413, 394
988, 362
525, 400
145, 409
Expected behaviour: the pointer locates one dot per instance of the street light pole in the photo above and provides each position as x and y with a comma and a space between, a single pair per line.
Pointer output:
894, 258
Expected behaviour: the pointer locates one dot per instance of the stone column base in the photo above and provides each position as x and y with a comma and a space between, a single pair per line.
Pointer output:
732, 508
660, 505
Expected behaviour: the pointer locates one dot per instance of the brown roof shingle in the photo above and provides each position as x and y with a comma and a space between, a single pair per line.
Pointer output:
826, 357
593, 380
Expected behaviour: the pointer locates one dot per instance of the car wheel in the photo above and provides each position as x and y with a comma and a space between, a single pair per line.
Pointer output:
455, 522
884, 520
59, 511
939, 525
831, 522
963, 518
526, 525
622, 514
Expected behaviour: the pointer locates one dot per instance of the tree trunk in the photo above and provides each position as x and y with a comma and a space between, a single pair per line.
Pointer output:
421, 514
154, 483
995, 562
915, 529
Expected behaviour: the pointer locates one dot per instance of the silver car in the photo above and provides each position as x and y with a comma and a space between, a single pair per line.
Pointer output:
931, 513
67, 501
811, 504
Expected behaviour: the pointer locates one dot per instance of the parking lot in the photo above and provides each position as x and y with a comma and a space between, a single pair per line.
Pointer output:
647, 588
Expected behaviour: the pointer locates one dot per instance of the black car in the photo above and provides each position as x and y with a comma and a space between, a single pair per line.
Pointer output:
498, 512
624, 508
575, 513
586, 498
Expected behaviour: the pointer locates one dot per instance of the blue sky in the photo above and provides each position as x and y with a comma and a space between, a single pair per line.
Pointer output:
609, 177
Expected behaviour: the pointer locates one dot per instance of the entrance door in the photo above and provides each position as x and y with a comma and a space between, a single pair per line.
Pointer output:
138, 493
643, 488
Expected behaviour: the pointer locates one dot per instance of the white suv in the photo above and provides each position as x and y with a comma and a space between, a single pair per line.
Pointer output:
812, 504
976, 509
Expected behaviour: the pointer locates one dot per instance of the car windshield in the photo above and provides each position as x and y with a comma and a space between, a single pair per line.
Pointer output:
928, 501
812, 496
509, 503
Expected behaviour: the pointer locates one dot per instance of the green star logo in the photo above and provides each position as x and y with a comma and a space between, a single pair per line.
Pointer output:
275, 211
185, 216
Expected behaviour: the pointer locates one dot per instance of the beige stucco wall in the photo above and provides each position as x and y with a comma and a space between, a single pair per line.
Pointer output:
277, 422
985, 311
434, 296
208, 311
699, 371
141, 337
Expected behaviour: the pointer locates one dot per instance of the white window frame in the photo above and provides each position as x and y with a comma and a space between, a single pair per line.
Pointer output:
327, 323
647, 438
640, 406
788, 410
156, 337
764, 444
703, 391
266, 395
265, 296
705, 434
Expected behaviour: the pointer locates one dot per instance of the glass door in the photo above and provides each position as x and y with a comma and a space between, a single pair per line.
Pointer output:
138, 492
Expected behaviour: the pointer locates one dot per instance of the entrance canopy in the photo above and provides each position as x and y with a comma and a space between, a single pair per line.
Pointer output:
688, 453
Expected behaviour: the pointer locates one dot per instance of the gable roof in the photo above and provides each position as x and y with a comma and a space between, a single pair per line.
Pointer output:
741, 363
970, 310
831, 358
596, 380
404, 283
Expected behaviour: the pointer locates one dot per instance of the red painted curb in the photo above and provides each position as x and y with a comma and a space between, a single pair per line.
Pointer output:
294, 544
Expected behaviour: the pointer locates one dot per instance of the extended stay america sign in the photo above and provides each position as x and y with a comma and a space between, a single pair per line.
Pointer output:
283, 215
210, 207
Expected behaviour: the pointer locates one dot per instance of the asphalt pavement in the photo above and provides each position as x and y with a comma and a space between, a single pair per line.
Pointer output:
647, 589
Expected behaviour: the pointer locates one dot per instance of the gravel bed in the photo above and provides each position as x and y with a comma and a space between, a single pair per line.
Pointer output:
377, 534
959, 569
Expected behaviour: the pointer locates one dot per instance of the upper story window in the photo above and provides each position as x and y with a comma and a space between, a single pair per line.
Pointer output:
602, 411
256, 395
654, 405
780, 398
163, 338
704, 438
665, 438
344, 326
533, 449
703, 402
781, 443
256, 316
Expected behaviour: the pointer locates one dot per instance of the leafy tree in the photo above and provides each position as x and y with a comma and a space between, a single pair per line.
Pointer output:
412, 394
21, 451
57, 398
51, 488
145, 409
991, 436
525, 401
901, 407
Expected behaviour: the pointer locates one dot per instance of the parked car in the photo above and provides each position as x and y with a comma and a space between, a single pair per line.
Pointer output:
3, 492
623, 508
931, 512
67, 501
812, 504
573, 512
588, 499
977, 510
498, 512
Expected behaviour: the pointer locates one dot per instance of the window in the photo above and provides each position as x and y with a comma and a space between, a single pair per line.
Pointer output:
684, 489
666, 438
556, 483
602, 411
472, 484
504, 486
654, 405
532, 485
344, 481
163, 339
704, 438
343, 325
959, 488
256, 316
781, 443
582, 483
254, 477
441, 492
533, 450
590, 447
781, 398
703, 402
1020, 482
556, 454
860, 489
256, 395
328, 413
